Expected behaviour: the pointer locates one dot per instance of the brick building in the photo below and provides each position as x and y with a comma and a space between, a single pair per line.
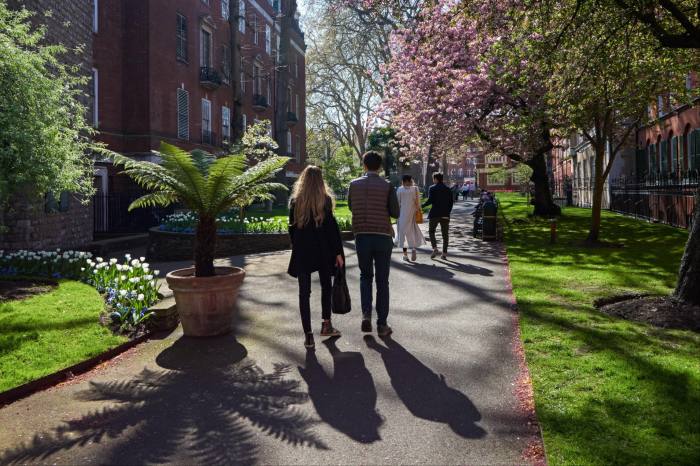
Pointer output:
193, 73
59, 219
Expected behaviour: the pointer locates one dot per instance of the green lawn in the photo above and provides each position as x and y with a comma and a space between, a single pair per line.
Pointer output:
282, 212
49, 332
607, 391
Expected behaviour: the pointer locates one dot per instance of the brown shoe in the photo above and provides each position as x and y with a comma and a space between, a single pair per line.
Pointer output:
384, 330
327, 330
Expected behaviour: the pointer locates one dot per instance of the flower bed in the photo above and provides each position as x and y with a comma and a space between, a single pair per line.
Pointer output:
232, 225
173, 240
129, 287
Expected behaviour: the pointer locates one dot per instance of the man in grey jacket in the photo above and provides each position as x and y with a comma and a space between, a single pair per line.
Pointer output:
373, 202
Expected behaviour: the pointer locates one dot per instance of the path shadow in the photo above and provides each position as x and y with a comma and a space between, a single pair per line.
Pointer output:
206, 408
425, 393
347, 401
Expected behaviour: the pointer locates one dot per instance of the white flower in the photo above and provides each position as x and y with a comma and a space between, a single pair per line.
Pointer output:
140, 297
148, 277
119, 267
127, 256
134, 280
99, 259
156, 272
142, 258
112, 261
135, 263
122, 293
82, 269
123, 278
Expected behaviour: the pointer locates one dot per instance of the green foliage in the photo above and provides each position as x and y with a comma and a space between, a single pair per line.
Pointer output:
607, 391
340, 169
49, 332
44, 138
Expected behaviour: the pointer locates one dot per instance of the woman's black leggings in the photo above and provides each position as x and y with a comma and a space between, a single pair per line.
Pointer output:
305, 298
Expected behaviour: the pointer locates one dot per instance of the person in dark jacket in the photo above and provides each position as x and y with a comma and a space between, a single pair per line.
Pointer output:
316, 246
441, 200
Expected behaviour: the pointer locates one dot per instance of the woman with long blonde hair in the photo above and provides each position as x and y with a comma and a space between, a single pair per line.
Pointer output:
316, 246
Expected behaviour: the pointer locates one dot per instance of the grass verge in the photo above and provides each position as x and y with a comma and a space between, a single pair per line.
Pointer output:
607, 391
49, 332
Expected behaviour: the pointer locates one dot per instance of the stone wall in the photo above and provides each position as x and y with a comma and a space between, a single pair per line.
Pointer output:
172, 246
30, 226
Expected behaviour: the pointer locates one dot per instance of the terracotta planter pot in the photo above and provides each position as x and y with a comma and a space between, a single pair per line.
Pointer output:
206, 304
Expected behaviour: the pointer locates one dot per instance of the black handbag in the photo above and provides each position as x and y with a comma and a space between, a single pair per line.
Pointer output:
341, 294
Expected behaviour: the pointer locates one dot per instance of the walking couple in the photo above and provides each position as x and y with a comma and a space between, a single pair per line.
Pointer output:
441, 201
317, 245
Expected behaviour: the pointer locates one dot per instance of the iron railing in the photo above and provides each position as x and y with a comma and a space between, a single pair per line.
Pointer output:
668, 198
260, 100
112, 215
209, 77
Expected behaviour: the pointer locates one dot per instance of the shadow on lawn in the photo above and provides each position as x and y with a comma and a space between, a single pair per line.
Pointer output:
205, 408
648, 418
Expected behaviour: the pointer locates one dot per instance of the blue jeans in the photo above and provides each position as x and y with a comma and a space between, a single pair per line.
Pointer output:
374, 256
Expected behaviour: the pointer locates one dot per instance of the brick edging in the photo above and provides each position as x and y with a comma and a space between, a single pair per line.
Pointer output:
51, 380
535, 452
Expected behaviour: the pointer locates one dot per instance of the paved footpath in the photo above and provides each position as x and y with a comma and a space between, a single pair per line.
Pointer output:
440, 391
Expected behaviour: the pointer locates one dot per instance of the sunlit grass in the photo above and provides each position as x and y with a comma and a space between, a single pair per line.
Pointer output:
52, 331
607, 391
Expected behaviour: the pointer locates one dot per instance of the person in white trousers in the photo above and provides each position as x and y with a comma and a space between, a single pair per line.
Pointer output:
408, 230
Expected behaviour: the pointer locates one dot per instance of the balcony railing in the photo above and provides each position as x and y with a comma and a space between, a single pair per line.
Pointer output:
292, 118
260, 101
208, 137
209, 77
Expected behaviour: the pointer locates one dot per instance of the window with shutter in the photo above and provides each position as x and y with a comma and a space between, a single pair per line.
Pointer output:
181, 35
206, 122
652, 159
255, 29
226, 63
694, 146
268, 39
244, 122
289, 142
183, 114
241, 16
675, 168
242, 77
225, 123
663, 157
642, 163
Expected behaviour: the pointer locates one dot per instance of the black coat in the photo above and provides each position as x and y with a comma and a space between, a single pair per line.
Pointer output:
441, 200
314, 249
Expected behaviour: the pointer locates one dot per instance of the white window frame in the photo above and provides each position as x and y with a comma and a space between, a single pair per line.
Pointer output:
225, 5
241, 16
268, 39
290, 149
95, 16
225, 123
244, 118
257, 79
206, 111
185, 134
95, 98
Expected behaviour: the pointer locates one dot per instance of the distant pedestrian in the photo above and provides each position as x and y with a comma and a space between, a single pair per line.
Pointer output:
466, 189
441, 201
316, 246
373, 203
407, 227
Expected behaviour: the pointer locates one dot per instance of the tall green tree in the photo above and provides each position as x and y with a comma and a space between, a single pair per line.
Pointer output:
44, 136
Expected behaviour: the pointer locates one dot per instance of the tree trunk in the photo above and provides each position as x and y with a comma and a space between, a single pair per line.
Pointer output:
598, 189
543, 201
688, 288
205, 247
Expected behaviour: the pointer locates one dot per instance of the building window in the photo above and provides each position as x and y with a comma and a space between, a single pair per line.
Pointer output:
181, 33
269, 93
268, 39
244, 122
289, 142
183, 114
241, 16
206, 122
663, 157
205, 50
95, 16
497, 177
296, 107
225, 123
676, 161
242, 77
95, 98
226, 63
289, 99
694, 149
653, 165
298, 151
296, 67
255, 29
224, 8
257, 80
